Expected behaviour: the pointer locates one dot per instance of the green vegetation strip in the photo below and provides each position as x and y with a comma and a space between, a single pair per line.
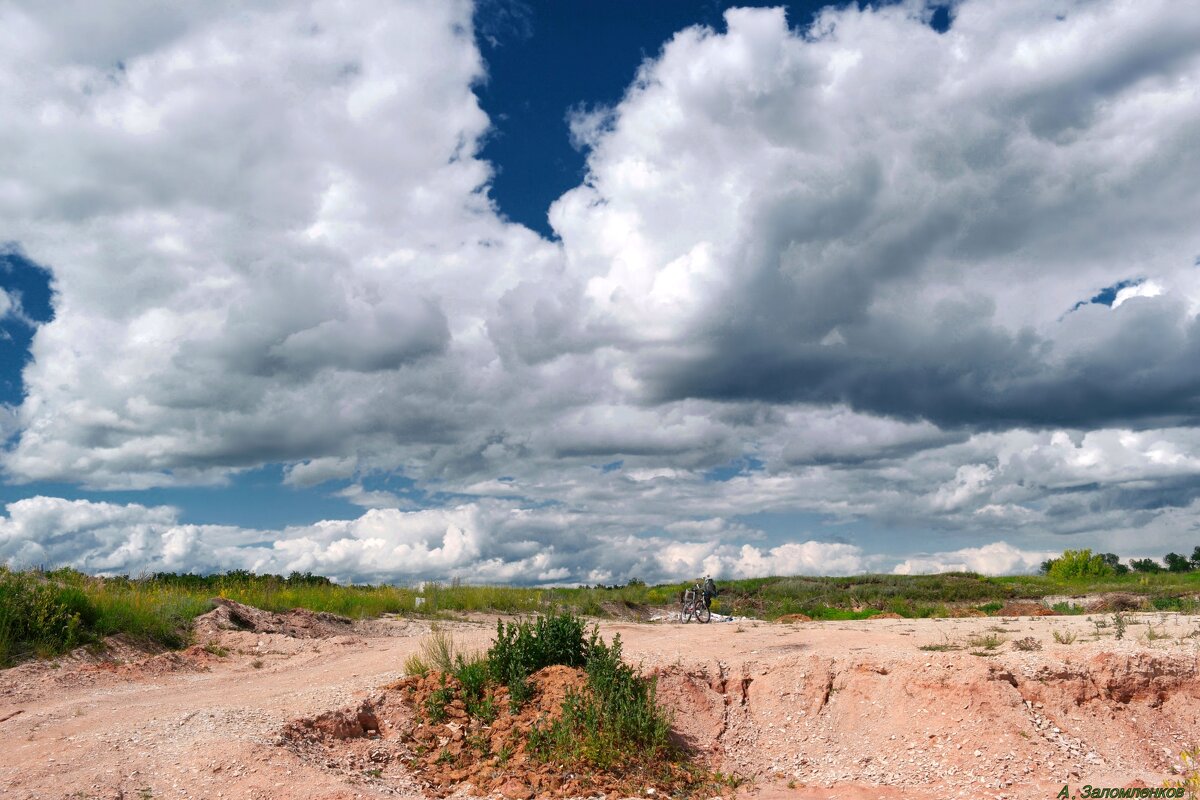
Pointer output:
47, 613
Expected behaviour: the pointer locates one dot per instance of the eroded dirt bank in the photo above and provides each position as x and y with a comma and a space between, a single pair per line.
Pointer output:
809, 710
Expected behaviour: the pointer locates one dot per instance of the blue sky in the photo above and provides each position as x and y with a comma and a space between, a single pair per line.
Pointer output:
577, 292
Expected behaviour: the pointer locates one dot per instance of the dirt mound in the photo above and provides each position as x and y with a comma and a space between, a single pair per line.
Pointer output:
420, 727
299, 623
1118, 601
384, 739
192, 659
789, 618
360, 743
623, 609
886, 615
962, 612
1025, 608
820, 720
492, 757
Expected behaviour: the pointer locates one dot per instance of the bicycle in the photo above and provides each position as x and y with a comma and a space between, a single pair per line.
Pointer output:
693, 606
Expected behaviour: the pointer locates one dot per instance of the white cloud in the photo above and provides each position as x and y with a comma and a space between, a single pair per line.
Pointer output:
482, 542
998, 558
1143, 289
838, 258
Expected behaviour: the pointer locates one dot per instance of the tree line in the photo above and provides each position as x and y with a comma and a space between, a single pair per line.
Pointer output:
1083, 564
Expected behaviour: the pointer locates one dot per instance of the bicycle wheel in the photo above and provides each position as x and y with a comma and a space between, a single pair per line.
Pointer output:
703, 613
684, 614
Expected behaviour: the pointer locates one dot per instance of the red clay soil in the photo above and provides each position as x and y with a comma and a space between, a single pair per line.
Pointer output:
809, 711
458, 752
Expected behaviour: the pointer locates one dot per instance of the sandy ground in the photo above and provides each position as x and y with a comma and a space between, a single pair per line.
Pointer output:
808, 710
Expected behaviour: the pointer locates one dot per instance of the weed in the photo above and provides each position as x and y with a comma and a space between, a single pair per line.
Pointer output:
523, 647
216, 650
984, 653
485, 710
40, 617
257, 663
506, 752
1189, 771
1069, 609
445, 757
940, 647
1119, 624
613, 723
991, 641
435, 705
1152, 635
730, 779
480, 743
374, 773
1027, 643
473, 675
415, 665
1064, 637
438, 650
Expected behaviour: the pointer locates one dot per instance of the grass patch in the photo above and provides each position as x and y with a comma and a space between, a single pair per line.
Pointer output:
1027, 643
608, 733
990, 641
614, 724
47, 613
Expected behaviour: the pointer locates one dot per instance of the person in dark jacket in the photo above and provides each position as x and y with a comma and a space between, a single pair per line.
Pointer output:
710, 591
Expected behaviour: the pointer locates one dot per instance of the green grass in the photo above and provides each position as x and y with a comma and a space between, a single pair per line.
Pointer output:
47, 613
611, 724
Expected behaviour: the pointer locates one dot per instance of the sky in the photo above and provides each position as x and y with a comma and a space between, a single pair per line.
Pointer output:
544, 292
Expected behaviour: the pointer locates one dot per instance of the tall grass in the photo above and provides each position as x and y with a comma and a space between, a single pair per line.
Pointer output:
45, 613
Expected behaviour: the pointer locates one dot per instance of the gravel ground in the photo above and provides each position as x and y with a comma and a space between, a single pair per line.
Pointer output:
807, 710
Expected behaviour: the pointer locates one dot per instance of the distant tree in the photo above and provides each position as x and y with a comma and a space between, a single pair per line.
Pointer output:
1046, 565
1196, 558
1114, 561
1177, 563
1144, 565
1076, 564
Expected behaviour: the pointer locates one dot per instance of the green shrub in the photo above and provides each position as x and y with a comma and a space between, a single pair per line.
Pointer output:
435, 705
473, 674
614, 722
523, 647
415, 665
41, 616
1078, 564
438, 650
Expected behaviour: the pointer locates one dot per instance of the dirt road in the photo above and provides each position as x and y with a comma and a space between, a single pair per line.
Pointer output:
808, 710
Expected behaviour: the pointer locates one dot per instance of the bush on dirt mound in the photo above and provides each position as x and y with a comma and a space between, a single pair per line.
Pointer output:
548, 712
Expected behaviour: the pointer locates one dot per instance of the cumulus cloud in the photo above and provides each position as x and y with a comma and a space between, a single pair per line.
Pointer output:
269, 232
835, 270
998, 558
874, 213
480, 541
